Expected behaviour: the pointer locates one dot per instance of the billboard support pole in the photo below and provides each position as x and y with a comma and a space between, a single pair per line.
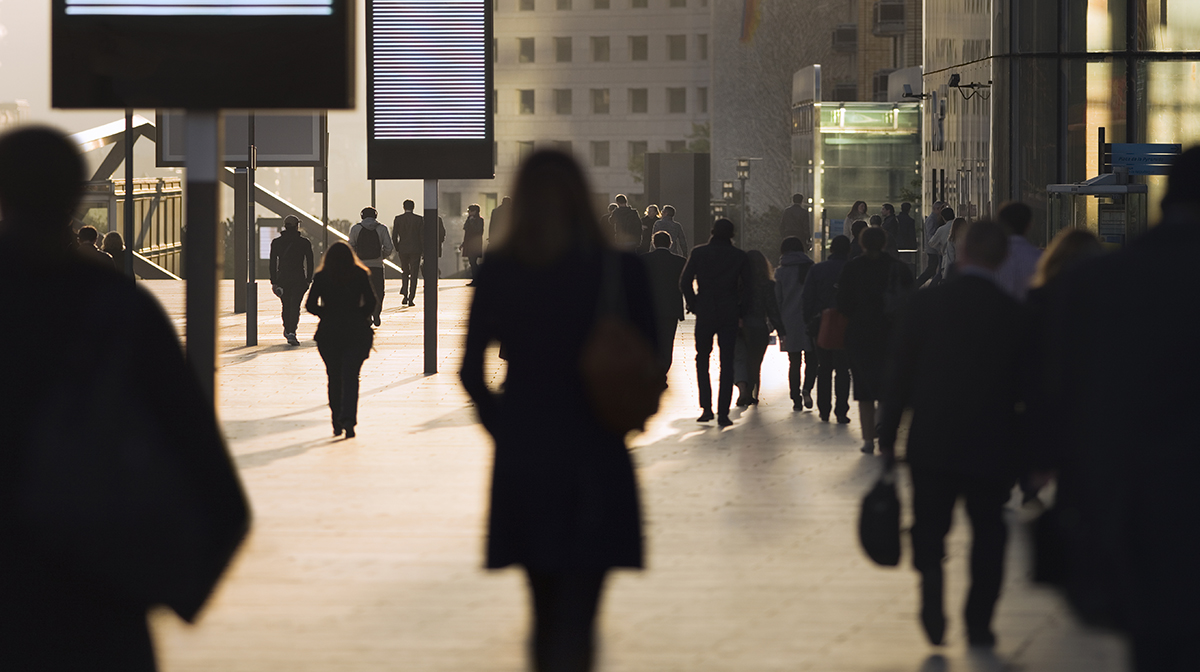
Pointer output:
324, 183
431, 275
251, 247
127, 262
204, 144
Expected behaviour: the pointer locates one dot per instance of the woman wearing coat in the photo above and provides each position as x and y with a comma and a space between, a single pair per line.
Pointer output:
868, 291
564, 500
342, 297
472, 245
755, 334
793, 269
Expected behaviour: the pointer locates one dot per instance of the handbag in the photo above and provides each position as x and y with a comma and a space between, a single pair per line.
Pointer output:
620, 372
879, 521
832, 335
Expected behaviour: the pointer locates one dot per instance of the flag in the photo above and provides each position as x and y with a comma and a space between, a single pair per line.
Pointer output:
751, 17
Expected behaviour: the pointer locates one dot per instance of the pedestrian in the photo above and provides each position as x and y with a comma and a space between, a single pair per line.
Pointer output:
648, 220
291, 267
472, 245
115, 247
950, 248
796, 222
499, 221
627, 226
343, 299
956, 363
119, 495
820, 294
760, 320
858, 212
664, 269
719, 299
871, 292
890, 223
906, 229
87, 247
372, 244
933, 258
1022, 261
938, 242
856, 230
790, 286
564, 498
679, 241
408, 239
606, 223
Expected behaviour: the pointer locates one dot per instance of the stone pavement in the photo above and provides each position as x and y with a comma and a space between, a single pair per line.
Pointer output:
366, 554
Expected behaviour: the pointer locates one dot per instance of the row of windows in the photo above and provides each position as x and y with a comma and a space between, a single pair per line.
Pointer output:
601, 101
599, 151
676, 48
531, 5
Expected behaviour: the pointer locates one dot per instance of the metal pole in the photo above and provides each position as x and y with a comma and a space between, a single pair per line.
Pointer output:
325, 184
128, 235
251, 240
372, 193
742, 228
431, 274
203, 163
239, 240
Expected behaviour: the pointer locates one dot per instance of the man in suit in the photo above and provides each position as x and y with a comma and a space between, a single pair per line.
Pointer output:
796, 222
408, 237
665, 269
627, 226
291, 267
955, 362
722, 275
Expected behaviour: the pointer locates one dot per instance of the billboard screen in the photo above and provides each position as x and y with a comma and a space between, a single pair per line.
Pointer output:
203, 54
429, 89
281, 139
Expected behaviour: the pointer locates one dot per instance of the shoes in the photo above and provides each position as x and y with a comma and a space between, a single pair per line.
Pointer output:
471, 283
291, 338
868, 448
933, 619
753, 401
824, 417
349, 432
724, 421
705, 416
743, 402
843, 419
337, 430
808, 402
981, 637
376, 320
797, 406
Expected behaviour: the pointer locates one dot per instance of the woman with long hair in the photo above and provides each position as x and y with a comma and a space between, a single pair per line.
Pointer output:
757, 325
342, 297
564, 500
858, 212
950, 254
115, 247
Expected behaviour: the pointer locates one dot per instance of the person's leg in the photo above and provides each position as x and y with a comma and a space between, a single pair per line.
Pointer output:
351, 366
866, 418
666, 342
810, 376
841, 368
333, 371
407, 279
795, 377
755, 352
934, 495
726, 341
474, 267
824, 381
704, 345
565, 606
293, 296
377, 285
985, 507
741, 372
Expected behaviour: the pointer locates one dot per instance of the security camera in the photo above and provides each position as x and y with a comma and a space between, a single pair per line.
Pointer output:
954, 79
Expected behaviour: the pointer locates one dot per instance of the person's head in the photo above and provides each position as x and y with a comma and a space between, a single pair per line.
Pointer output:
1069, 247
88, 235
652, 210
798, 199
409, 205
839, 247
668, 211
552, 211
369, 213
791, 244
505, 201
621, 200
41, 182
947, 214
473, 210
887, 209
340, 261
872, 239
113, 242
662, 239
291, 222
876, 221
722, 229
905, 207
856, 229
1183, 183
938, 205
612, 207
858, 209
760, 268
1016, 216
956, 228
984, 244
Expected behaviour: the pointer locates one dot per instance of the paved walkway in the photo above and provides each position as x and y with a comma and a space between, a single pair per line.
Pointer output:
366, 553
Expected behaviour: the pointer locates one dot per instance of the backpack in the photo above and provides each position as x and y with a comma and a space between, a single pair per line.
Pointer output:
368, 245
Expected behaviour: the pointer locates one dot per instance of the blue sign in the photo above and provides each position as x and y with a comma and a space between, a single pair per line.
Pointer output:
1145, 158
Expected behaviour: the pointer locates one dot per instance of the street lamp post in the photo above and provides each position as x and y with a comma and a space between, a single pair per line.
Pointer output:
743, 174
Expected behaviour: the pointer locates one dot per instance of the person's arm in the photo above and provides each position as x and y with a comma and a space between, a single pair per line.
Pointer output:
308, 264
366, 294
386, 240
313, 303
273, 263
397, 236
900, 375
773, 313
809, 297
685, 284
481, 332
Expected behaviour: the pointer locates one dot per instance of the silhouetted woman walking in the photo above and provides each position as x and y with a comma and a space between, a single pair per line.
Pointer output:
757, 325
564, 500
342, 297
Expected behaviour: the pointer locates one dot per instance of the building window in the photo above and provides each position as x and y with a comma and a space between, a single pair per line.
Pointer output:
637, 150
600, 101
525, 50
639, 48
702, 99
563, 146
525, 5
600, 154
527, 99
562, 101
677, 3
676, 146
677, 101
600, 49
677, 47
451, 203
639, 4
562, 4
599, 4
562, 49
638, 103
524, 150
702, 47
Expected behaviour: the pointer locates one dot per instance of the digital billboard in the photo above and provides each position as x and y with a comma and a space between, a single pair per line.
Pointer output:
203, 54
429, 89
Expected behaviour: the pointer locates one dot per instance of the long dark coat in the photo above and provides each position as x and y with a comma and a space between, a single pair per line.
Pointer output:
564, 495
861, 287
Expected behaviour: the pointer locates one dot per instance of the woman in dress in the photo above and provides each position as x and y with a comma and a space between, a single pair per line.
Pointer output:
564, 500
342, 297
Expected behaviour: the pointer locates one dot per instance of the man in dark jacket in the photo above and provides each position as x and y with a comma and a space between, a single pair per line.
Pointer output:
408, 237
820, 292
498, 222
956, 363
796, 222
291, 273
906, 231
891, 224
722, 275
665, 269
627, 226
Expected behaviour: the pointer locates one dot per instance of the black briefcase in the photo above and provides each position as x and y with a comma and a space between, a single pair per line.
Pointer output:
879, 521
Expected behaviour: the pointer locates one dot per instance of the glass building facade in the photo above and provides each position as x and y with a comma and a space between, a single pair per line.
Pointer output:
1037, 81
